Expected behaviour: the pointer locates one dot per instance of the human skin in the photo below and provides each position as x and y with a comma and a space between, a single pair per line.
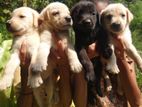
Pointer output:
71, 85
127, 73
127, 76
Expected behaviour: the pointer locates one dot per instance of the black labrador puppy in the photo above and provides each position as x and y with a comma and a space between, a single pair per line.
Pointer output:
87, 31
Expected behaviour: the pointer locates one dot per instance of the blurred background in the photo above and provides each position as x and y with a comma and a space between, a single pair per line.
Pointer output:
7, 98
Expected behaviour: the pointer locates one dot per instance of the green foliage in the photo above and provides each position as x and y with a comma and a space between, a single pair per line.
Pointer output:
6, 45
7, 98
6, 6
4, 35
136, 25
37, 4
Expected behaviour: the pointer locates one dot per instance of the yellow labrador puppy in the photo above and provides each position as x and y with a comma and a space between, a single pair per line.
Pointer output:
55, 24
24, 27
116, 19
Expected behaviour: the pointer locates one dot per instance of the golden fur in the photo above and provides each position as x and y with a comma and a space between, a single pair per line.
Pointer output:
23, 25
116, 19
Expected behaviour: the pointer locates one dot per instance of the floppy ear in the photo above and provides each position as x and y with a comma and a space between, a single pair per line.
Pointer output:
35, 19
44, 15
101, 18
129, 15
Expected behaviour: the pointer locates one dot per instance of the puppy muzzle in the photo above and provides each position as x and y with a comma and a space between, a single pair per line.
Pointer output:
116, 27
8, 25
68, 19
87, 23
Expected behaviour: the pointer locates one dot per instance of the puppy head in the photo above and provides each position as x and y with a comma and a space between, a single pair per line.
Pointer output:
84, 16
115, 18
22, 20
56, 16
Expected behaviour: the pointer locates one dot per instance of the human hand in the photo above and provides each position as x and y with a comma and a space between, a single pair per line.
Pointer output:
24, 57
92, 51
119, 47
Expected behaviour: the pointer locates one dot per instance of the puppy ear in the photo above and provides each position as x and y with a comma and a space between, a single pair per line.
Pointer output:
35, 19
44, 15
101, 18
129, 15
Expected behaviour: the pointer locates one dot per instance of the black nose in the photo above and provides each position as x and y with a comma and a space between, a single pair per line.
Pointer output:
68, 19
87, 22
8, 24
116, 26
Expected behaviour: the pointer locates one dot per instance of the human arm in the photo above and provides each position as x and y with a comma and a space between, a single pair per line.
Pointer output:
127, 76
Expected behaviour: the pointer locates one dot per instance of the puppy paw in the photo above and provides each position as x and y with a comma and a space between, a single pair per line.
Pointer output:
113, 69
108, 88
90, 76
38, 67
34, 81
76, 66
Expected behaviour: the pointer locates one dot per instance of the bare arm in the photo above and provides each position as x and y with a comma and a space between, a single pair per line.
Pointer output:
128, 77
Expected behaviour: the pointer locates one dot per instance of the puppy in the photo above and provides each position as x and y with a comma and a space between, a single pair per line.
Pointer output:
86, 26
84, 17
23, 25
55, 24
115, 19
88, 31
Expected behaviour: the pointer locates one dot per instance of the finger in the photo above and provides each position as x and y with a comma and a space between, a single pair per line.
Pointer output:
23, 51
92, 52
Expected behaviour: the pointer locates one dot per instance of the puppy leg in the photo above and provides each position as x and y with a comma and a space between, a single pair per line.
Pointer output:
87, 64
111, 66
10, 68
132, 52
34, 79
73, 59
107, 82
43, 53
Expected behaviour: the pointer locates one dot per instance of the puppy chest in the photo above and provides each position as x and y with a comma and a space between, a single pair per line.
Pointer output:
25, 43
60, 40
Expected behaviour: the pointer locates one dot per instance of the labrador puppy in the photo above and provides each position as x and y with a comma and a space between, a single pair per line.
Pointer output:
24, 27
55, 24
115, 19
86, 27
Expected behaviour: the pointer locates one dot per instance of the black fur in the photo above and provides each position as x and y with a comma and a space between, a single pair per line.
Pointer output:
85, 18
87, 31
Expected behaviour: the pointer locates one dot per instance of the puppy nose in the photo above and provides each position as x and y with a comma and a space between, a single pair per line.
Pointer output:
68, 19
116, 25
87, 21
8, 24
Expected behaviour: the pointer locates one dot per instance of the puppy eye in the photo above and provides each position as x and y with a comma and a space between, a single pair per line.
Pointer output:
94, 13
21, 16
109, 17
55, 13
122, 15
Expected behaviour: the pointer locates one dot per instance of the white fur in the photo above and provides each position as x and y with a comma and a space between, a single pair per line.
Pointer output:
119, 14
26, 32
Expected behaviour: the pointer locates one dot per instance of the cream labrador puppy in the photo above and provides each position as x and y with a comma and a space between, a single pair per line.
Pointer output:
116, 19
24, 27
55, 24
